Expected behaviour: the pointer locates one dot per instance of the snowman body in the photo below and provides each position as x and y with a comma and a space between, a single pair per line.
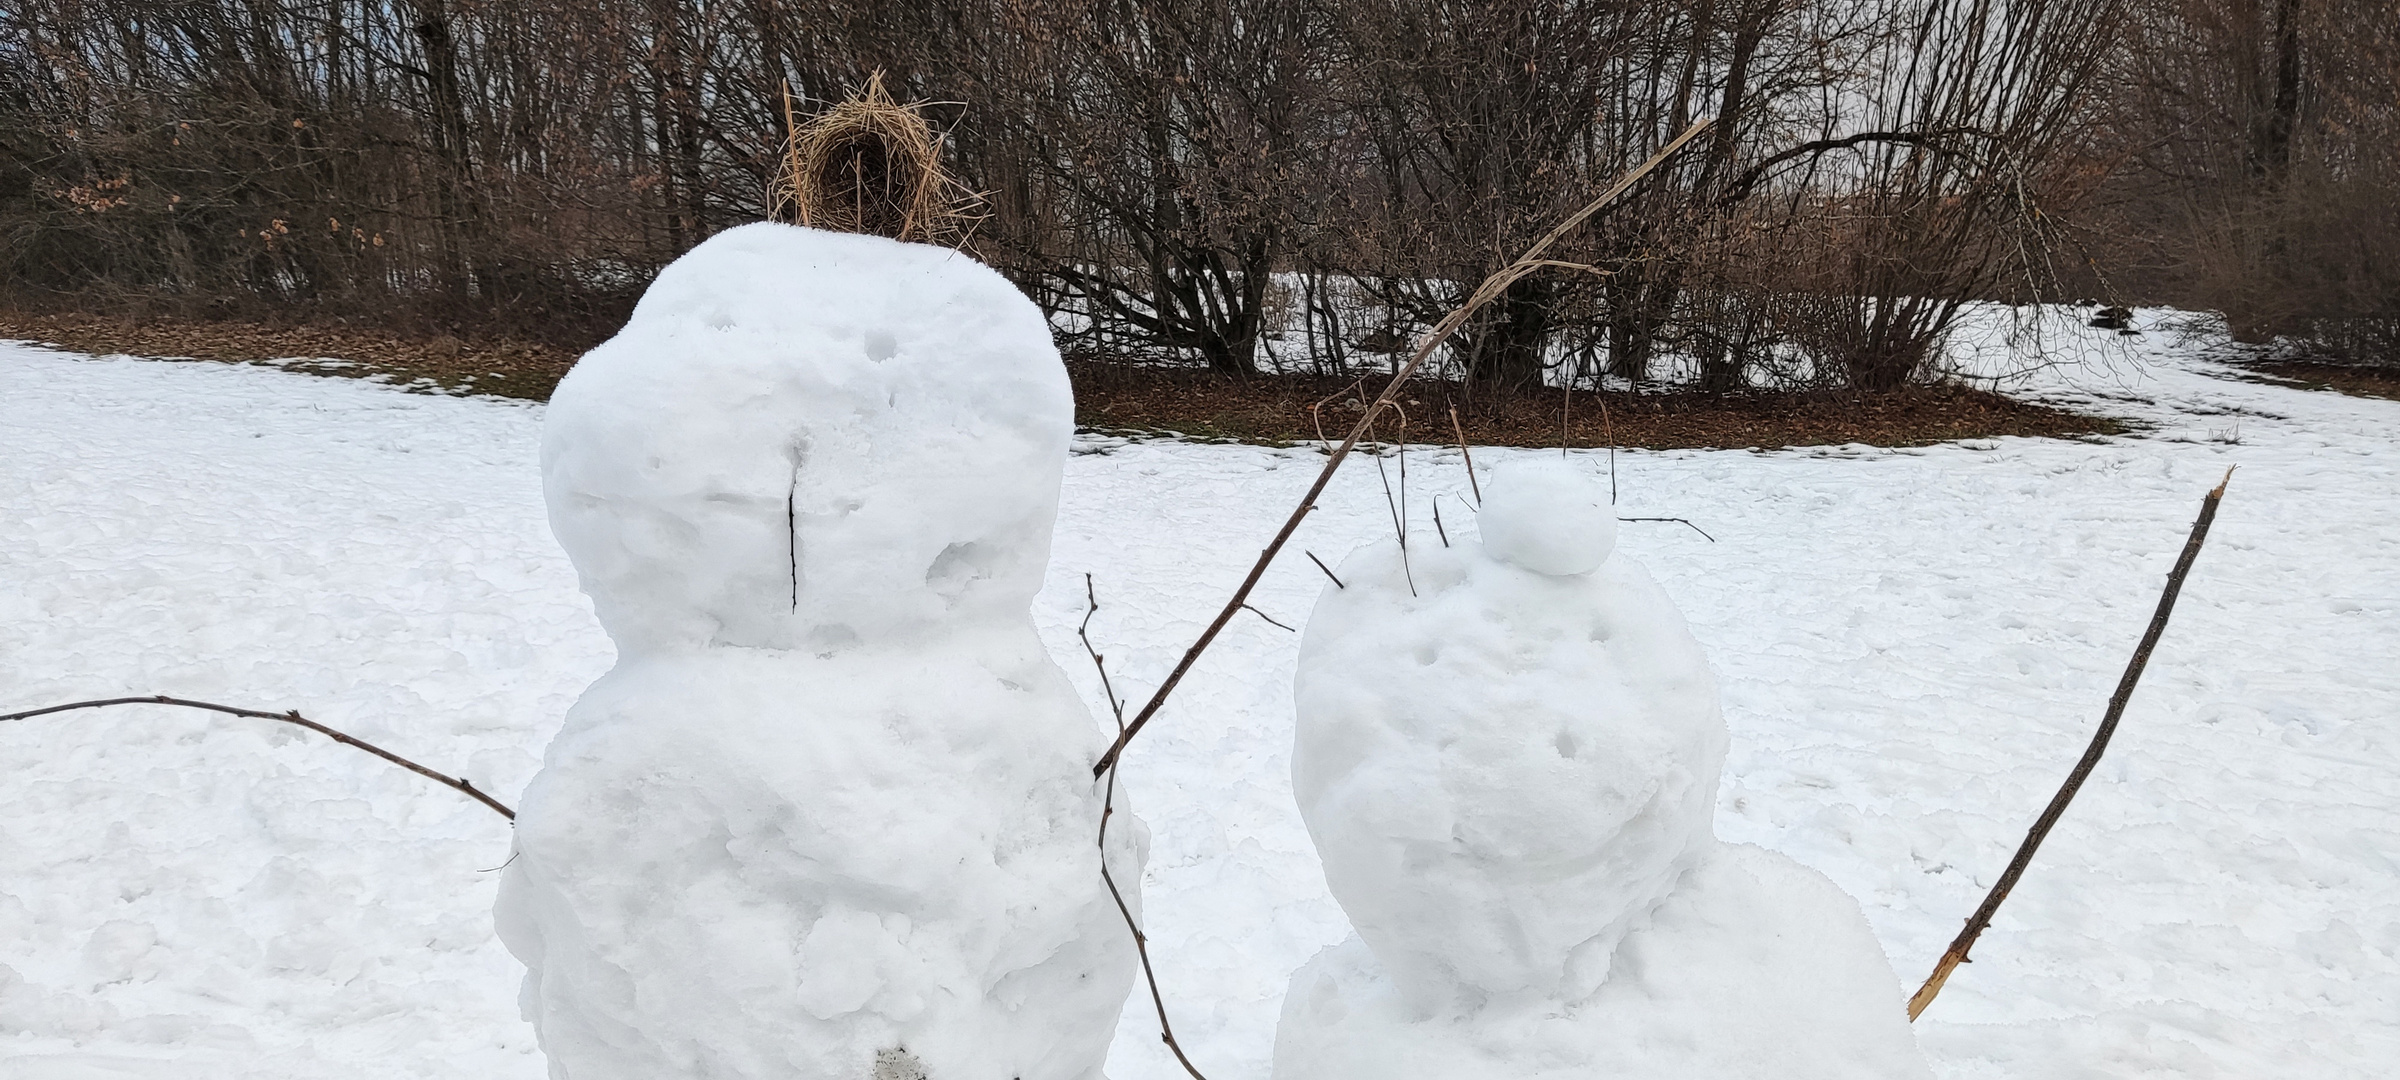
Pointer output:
1508, 754
831, 815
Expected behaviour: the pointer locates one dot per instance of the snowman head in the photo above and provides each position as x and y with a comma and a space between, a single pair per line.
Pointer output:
811, 441
1548, 515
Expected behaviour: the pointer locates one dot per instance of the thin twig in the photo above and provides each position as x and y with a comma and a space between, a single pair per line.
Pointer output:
791, 144
1566, 398
1957, 953
1609, 431
1465, 456
1091, 599
1687, 521
1316, 415
1491, 288
1270, 619
1399, 527
1355, 386
1312, 557
1402, 449
1437, 520
289, 717
1108, 809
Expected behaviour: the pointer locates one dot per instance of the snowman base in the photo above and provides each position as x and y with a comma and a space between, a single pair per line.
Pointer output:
747, 864
1753, 966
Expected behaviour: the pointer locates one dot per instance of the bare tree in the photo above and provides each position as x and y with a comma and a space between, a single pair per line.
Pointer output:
1152, 166
2266, 178
1172, 137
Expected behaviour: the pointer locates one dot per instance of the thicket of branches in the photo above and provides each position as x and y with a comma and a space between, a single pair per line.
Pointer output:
2261, 143
1248, 183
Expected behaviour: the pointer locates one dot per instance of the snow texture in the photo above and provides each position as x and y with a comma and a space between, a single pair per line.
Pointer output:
1754, 966
1548, 515
1912, 645
1508, 756
831, 813
807, 440
1503, 770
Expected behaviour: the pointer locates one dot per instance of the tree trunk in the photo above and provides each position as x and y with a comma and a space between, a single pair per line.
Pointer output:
1509, 352
449, 130
2273, 157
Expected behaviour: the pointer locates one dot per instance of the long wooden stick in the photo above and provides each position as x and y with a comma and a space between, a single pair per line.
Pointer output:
1957, 953
458, 784
1485, 293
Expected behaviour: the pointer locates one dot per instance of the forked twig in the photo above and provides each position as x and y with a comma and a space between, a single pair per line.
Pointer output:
1491, 288
293, 717
1956, 954
1108, 809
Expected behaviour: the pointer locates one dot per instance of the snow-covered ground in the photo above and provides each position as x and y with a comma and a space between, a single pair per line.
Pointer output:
1913, 645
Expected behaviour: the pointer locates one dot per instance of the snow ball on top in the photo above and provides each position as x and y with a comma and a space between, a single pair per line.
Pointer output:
1549, 516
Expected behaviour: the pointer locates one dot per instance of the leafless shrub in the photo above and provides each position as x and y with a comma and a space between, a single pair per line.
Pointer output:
1946, 192
2263, 144
1151, 166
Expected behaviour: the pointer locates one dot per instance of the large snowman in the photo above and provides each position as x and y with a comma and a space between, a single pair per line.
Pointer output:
1508, 757
831, 816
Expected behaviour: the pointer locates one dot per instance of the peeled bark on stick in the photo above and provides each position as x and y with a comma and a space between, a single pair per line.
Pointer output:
1957, 953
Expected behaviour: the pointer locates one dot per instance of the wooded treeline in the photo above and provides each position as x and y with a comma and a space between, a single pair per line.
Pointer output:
1251, 183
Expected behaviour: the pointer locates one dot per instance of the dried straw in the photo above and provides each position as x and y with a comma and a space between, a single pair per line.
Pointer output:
869, 165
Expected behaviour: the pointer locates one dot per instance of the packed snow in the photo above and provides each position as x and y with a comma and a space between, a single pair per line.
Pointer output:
1548, 515
1503, 770
832, 812
1752, 966
1911, 647
807, 440
1509, 752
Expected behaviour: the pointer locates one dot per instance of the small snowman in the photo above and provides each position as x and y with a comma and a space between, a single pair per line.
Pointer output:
1508, 756
831, 815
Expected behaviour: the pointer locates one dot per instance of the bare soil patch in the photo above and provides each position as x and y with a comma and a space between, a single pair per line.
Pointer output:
1120, 397
502, 367
2351, 379
1295, 409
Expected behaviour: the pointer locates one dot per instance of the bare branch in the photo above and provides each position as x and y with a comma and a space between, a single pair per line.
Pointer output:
1957, 953
289, 717
1491, 288
1108, 809
1938, 141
